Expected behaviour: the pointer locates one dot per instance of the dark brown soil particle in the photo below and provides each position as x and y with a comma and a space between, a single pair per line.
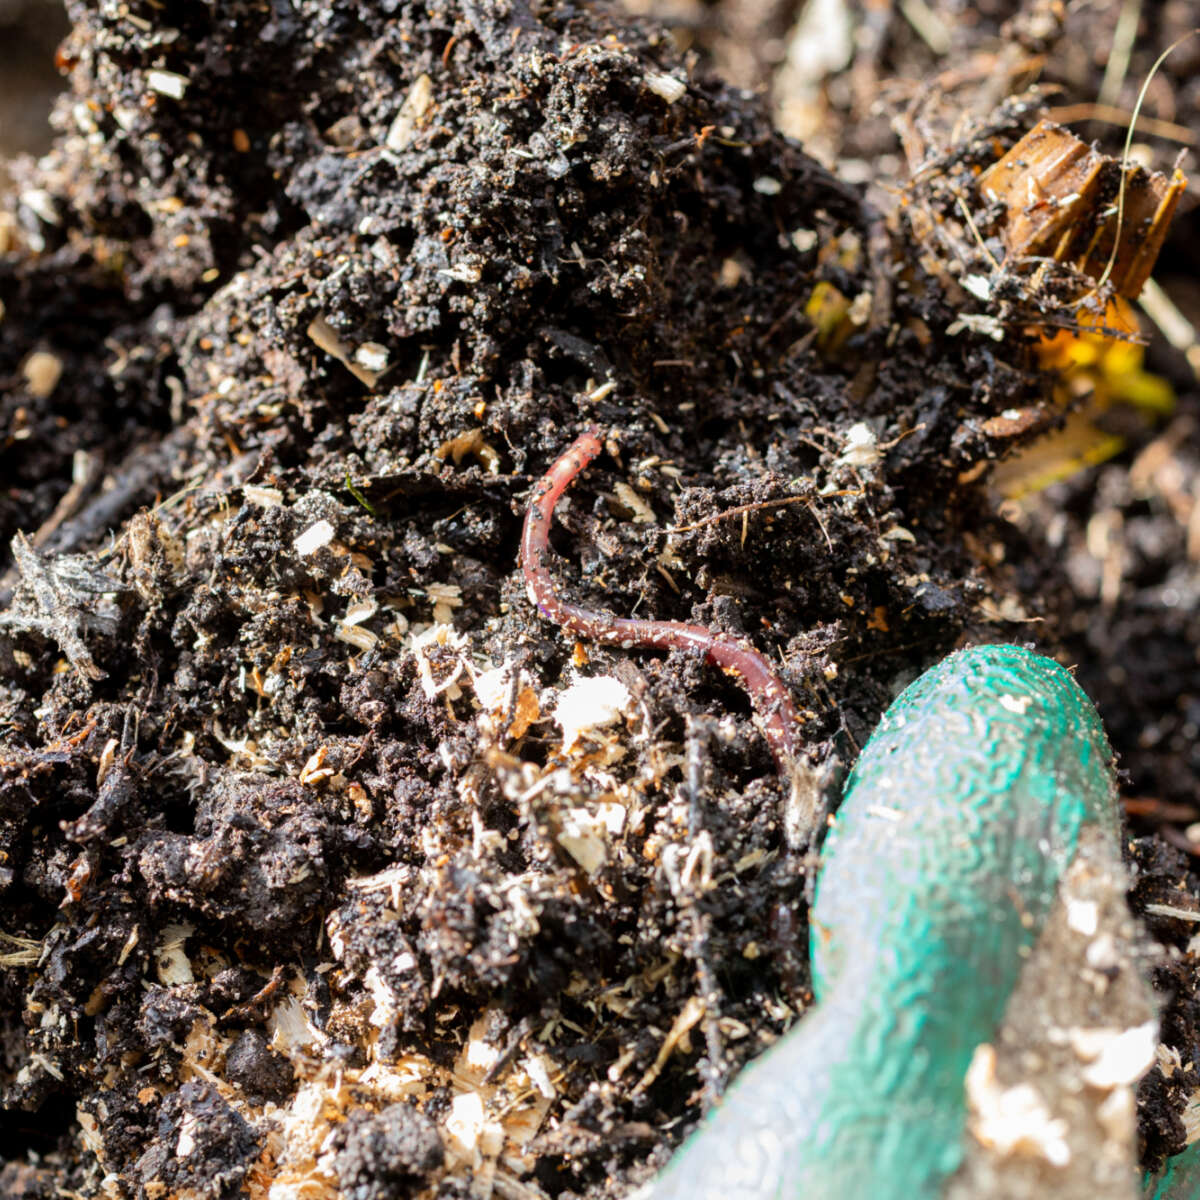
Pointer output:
396, 1147
309, 881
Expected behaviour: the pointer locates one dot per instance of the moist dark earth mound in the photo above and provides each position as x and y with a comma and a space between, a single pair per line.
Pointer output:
303, 884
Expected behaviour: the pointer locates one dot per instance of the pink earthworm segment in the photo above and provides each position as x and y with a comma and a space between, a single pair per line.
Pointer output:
771, 699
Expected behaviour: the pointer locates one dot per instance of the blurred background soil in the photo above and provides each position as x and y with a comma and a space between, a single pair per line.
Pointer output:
307, 890
30, 31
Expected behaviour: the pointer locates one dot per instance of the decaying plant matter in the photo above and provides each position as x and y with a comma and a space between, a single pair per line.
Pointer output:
1067, 202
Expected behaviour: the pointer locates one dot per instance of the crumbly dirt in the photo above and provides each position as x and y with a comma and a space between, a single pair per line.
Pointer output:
304, 895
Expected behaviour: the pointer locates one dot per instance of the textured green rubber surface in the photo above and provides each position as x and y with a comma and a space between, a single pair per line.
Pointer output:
960, 816
1179, 1179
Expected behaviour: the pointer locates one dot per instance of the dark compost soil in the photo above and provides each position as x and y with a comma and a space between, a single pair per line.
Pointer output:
300, 884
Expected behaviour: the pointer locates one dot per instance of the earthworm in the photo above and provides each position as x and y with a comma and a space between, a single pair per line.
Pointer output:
768, 694
959, 818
